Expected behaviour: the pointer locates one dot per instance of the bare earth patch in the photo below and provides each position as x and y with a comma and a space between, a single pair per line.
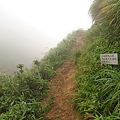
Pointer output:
62, 88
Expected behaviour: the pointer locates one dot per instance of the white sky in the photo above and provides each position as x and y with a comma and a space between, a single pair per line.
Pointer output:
54, 18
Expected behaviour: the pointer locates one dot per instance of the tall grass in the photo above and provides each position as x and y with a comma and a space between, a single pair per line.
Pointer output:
98, 86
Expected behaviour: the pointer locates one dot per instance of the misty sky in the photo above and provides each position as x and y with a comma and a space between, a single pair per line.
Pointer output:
29, 28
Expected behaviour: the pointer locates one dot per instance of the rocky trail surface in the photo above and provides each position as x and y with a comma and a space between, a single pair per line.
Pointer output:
62, 87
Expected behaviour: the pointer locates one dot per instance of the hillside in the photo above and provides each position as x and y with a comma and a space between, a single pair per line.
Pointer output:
98, 85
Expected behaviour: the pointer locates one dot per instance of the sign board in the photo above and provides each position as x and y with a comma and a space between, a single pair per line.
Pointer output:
109, 59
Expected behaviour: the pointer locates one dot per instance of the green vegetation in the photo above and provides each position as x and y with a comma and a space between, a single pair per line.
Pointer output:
21, 94
98, 86
97, 95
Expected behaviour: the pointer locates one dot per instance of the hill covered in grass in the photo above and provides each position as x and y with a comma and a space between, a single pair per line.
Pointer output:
98, 86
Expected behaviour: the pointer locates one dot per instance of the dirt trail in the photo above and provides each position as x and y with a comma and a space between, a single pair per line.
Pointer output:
62, 89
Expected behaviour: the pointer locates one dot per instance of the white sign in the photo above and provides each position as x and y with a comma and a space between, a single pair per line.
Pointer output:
109, 59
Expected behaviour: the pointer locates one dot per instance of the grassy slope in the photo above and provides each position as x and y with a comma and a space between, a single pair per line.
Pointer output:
98, 86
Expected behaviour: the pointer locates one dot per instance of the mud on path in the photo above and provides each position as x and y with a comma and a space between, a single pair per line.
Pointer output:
62, 88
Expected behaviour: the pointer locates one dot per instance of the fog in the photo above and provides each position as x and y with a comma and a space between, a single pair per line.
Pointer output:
20, 43
29, 28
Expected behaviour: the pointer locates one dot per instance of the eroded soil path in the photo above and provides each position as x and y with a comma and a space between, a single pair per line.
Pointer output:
62, 89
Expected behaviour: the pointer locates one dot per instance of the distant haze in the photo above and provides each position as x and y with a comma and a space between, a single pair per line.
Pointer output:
20, 43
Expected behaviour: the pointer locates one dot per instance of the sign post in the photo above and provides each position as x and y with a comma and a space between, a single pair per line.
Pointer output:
109, 59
